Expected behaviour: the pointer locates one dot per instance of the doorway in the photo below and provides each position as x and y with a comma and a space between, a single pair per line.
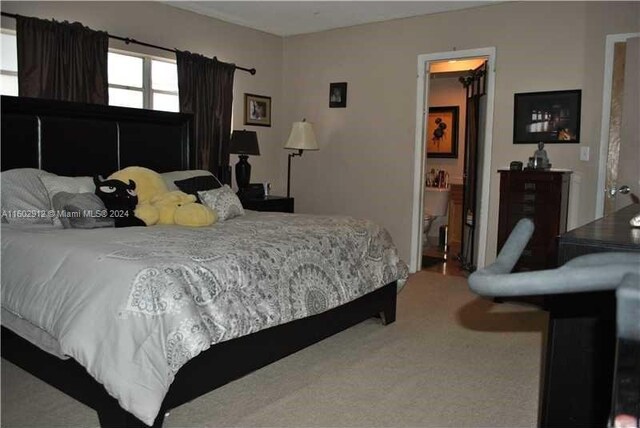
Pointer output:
426, 97
619, 145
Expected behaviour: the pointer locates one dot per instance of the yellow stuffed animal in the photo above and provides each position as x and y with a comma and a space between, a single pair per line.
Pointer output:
180, 208
156, 205
149, 184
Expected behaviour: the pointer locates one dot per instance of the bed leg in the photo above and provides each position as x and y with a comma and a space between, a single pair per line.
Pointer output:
388, 315
388, 312
114, 416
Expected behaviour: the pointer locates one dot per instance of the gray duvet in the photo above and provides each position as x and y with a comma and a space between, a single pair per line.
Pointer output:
133, 305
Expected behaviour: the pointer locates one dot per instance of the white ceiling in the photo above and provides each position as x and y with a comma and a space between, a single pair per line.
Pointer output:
286, 18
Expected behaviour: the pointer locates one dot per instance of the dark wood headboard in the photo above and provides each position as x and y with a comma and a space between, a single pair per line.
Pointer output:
86, 139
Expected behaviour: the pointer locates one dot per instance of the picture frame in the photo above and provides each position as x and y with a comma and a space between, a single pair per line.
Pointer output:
338, 95
257, 110
551, 117
442, 132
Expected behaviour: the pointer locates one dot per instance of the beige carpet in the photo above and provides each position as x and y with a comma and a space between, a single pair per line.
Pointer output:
450, 360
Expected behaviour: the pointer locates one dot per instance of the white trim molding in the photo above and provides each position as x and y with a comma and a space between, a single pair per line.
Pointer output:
422, 99
612, 39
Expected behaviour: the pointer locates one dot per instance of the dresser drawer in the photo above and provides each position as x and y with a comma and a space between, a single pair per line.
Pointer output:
534, 257
530, 186
539, 198
525, 197
524, 210
543, 231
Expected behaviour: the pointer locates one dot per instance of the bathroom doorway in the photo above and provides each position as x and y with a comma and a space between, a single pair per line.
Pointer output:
453, 158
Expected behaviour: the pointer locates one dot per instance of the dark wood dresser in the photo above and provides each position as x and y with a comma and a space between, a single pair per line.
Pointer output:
542, 196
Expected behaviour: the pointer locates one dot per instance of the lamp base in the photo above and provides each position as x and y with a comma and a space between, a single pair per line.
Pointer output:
243, 172
291, 155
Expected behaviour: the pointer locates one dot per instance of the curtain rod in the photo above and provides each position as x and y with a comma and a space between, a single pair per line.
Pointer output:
128, 40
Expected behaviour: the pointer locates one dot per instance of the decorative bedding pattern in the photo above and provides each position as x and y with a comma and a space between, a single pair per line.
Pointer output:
133, 305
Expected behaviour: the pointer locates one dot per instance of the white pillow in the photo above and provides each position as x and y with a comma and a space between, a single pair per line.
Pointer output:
55, 184
24, 197
170, 177
222, 200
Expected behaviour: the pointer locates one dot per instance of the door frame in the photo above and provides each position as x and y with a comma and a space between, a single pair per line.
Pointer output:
611, 40
422, 99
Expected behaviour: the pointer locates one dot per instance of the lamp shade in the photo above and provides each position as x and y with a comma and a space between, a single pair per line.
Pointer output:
244, 143
302, 137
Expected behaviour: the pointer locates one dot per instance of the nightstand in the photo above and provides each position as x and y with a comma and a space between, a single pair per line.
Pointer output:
269, 203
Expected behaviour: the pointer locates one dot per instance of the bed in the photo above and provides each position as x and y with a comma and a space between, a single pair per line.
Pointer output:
183, 311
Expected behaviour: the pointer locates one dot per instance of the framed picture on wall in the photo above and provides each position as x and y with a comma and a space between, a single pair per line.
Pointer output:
337, 94
257, 110
549, 117
442, 132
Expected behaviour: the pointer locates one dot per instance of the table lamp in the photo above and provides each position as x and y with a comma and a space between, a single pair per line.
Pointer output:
244, 143
301, 138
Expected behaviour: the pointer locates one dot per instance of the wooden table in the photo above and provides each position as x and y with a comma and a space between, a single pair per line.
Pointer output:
581, 340
610, 233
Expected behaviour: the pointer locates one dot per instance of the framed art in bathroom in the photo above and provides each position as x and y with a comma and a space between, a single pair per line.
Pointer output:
550, 117
442, 132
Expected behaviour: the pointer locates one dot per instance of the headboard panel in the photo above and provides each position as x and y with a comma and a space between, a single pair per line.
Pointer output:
85, 139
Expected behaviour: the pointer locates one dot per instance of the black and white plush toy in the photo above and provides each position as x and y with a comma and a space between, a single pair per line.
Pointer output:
120, 199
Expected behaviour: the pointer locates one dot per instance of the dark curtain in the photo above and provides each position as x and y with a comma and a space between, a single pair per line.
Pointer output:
205, 87
62, 61
470, 182
475, 85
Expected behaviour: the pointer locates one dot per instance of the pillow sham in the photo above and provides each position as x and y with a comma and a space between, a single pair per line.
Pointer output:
198, 184
84, 210
171, 177
24, 199
224, 201
56, 184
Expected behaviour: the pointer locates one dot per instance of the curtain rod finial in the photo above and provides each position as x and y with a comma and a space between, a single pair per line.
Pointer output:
252, 71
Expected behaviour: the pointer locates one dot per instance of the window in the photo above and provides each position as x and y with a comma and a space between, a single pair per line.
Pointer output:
142, 82
134, 80
8, 64
125, 80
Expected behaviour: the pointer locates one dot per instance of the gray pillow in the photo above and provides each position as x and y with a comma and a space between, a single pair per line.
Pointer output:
24, 197
81, 211
57, 183
222, 200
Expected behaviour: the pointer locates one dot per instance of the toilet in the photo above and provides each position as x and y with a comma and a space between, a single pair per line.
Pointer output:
436, 201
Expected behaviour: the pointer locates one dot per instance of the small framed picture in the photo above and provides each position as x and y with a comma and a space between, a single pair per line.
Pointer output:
442, 132
548, 117
338, 95
257, 110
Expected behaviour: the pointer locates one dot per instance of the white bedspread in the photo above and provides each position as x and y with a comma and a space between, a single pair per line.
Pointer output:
133, 305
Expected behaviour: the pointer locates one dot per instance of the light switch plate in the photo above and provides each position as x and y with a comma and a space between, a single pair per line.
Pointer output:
584, 153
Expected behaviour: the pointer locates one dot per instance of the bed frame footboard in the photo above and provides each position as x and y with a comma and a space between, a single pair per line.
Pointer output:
239, 356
